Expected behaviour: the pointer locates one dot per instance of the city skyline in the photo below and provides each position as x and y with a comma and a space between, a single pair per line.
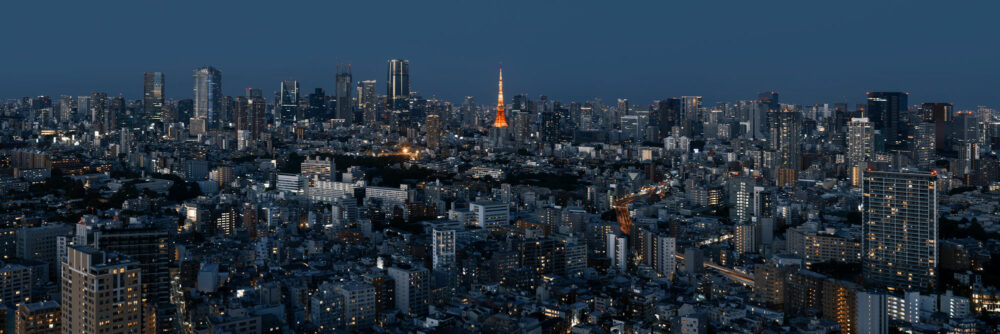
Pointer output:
628, 53
657, 168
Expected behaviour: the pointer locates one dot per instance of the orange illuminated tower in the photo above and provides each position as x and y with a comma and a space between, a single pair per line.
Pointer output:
501, 120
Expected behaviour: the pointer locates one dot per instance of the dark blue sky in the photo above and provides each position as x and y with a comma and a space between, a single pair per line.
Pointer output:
809, 51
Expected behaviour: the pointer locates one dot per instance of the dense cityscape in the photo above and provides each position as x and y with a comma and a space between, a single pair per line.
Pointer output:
370, 210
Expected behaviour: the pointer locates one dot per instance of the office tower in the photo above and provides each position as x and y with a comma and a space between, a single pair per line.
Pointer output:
101, 292
900, 225
617, 251
767, 103
345, 107
98, 110
412, 289
153, 95
924, 144
941, 115
207, 96
668, 112
15, 284
367, 102
146, 245
443, 255
398, 84
433, 130
316, 104
82, 108
251, 114
871, 313
288, 102
860, 147
785, 141
630, 127
885, 111
501, 119
38, 318
621, 109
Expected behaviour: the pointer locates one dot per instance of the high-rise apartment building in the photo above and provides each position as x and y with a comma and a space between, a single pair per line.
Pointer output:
860, 147
924, 144
101, 292
899, 228
153, 95
786, 142
443, 254
367, 102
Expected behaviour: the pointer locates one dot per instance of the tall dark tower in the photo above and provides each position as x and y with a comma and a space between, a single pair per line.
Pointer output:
669, 115
288, 101
760, 126
885, 110
398, 84
345, 110
152, 97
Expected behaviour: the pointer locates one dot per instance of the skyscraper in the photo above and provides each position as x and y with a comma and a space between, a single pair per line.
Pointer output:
100, 292
345, 107
398, 84
785, 141
367, 98
767, 103
501, 120
900, 226
289, 101
98, 111
668, 114
924, 144
941, 115
885, 110
207, 95
152, 97
859, 147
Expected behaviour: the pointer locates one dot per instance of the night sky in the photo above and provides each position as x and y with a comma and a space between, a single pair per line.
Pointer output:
809, 51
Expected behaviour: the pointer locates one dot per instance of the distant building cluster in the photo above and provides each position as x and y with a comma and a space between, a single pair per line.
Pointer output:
370, 211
